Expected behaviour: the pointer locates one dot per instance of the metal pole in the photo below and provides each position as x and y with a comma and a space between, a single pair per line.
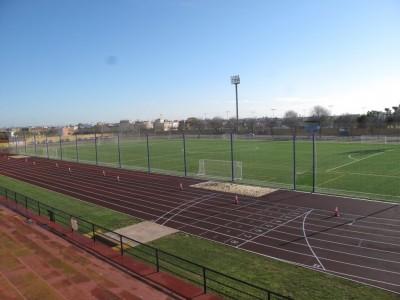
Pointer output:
76, 148
93, 233
204, 281
148, 154
47, 147
61, 154
157, 261
34, 144
121, 245
25, 142
294, 162
237, 108
313, 163
119, 152
184, 153
232, 168
95, 146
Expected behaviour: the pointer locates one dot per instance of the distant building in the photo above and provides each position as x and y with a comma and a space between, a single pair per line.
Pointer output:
68, 130
165, 125
144, 125
125, 125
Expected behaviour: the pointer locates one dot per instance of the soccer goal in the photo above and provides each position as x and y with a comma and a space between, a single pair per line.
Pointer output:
220, 169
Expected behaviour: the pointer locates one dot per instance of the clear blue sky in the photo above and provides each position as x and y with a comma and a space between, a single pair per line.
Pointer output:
86, 61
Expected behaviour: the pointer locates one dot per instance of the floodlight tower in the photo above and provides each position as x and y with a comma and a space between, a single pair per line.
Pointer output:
235, 79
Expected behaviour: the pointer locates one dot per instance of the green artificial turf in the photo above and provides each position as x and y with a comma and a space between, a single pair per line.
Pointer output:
350, 168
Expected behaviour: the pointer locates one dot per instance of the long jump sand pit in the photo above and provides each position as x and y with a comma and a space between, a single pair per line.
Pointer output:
239, 189
143, 232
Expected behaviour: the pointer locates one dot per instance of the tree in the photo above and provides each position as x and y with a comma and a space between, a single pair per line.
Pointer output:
345, 121
217, 124
320, 114
291, 120
195, 124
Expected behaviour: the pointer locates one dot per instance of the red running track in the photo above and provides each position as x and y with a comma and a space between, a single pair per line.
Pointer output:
362, 245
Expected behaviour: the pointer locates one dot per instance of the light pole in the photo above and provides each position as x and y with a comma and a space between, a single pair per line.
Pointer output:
235, 79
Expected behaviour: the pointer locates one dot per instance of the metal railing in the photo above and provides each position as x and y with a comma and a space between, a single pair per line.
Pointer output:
210, 280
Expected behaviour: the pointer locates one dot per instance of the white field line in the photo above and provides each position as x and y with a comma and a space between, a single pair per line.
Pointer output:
268, 246
355, 161
268, 231
243, 223
332, 179
180, 205
186, 207
350, 157
306, 239
296, 207
368, 174
334, 273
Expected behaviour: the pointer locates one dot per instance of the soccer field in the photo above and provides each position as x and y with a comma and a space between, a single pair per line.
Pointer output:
369, 170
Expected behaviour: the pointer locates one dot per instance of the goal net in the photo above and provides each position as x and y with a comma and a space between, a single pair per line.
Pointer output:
380, 139
221, 169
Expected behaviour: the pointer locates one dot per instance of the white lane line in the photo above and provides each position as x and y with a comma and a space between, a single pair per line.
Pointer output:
354, 161
268, 231
186, 207
306, 239
180, 205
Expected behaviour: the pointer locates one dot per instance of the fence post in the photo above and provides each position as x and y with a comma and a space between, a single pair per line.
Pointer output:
93, 233
148, 154
204, 280
61, 154
47, 147
313, 162
76, 148
25, 143
184, 153
294, 162
16, 144
121, 245
95, 146
119, 151
157, 261
232, 167
34, 144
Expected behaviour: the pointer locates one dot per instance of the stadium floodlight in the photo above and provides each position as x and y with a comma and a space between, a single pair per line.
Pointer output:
235, 79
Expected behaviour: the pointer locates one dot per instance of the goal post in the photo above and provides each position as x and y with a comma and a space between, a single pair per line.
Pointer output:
220, 169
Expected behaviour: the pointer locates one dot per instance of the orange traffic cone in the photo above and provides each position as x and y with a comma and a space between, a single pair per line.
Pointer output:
181, 186
337, 213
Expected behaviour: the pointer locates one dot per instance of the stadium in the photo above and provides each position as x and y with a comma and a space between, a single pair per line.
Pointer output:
293, 194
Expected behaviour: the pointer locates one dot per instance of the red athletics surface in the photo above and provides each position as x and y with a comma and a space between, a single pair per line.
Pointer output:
182, 289
36, 264
363, 244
